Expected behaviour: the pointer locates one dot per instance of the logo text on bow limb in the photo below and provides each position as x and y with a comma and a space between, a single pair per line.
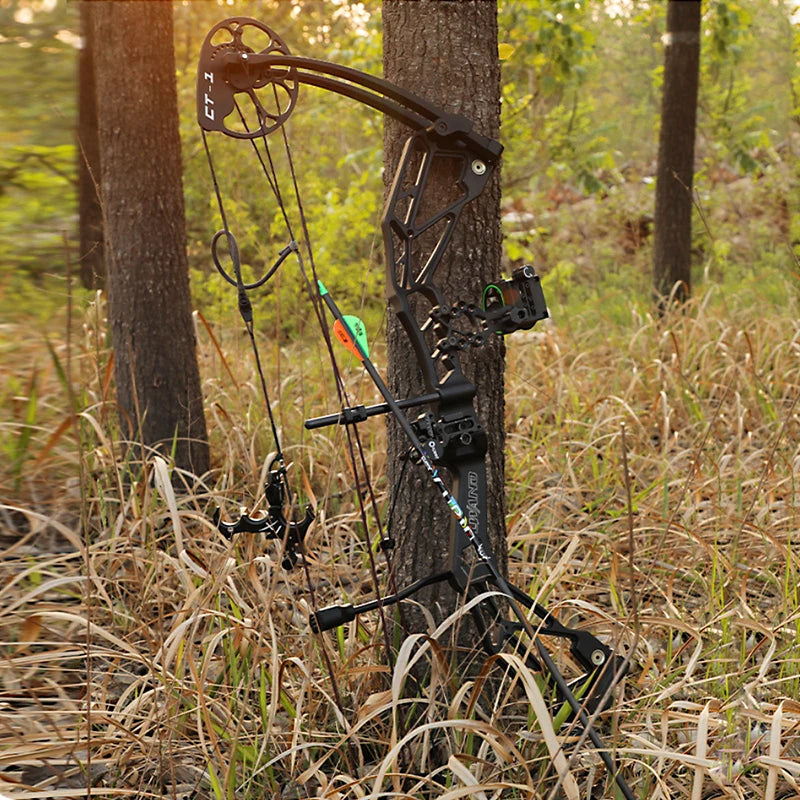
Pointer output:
208, 103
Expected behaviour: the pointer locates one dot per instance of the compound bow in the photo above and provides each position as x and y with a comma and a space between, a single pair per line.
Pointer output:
448, 435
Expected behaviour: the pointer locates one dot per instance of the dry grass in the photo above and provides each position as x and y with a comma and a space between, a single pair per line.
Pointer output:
144, 657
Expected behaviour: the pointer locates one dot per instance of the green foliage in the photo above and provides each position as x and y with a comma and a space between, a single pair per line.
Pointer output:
549, 49
552, 43
735, 123
37, 157
36, 207
581, 101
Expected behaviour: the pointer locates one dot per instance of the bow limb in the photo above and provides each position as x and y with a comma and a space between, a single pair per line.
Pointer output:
229, 66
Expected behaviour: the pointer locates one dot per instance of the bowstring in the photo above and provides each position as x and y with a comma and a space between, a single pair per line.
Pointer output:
353, 437
269, 170
246, 312
245, 307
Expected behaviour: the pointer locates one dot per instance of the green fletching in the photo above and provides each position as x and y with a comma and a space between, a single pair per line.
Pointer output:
359, 332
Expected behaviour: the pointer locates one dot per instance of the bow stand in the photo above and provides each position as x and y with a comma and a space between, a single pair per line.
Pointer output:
246, 65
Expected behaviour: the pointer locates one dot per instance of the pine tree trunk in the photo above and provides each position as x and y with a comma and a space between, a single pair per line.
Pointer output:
446, 52
673, 211
157, 377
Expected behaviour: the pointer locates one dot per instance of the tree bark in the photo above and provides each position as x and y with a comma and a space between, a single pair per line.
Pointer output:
156, 371
675, 172
446, 52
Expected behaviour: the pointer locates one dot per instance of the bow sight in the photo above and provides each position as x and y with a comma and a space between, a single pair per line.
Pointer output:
516, 304
507, 306
248, 86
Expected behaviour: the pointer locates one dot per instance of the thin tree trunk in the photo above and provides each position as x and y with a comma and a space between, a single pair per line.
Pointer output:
90, 214
673, 211
158, 381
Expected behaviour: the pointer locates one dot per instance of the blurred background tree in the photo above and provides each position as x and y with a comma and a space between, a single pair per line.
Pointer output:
675, 171
92, 262
141, 193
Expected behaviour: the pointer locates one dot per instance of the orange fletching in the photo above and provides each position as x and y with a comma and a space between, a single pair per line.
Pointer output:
342, 333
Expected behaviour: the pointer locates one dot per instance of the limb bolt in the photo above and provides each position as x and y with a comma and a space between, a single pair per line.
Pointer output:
478, 167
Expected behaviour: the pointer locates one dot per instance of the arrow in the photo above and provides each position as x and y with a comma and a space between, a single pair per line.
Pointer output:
349, 330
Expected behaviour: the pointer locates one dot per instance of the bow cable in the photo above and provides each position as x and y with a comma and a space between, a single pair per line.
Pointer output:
269, 171
245, 307
353, 437
246, 312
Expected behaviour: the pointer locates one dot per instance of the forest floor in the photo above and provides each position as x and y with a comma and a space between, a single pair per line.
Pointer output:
143, 656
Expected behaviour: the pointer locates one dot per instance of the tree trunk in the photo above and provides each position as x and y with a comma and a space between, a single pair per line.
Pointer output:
157, 377
673, 211
90, 214
446, 52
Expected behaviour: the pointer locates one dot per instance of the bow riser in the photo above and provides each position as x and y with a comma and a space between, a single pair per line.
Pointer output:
416, 236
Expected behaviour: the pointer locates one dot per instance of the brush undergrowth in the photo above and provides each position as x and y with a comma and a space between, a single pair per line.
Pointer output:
144, 656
